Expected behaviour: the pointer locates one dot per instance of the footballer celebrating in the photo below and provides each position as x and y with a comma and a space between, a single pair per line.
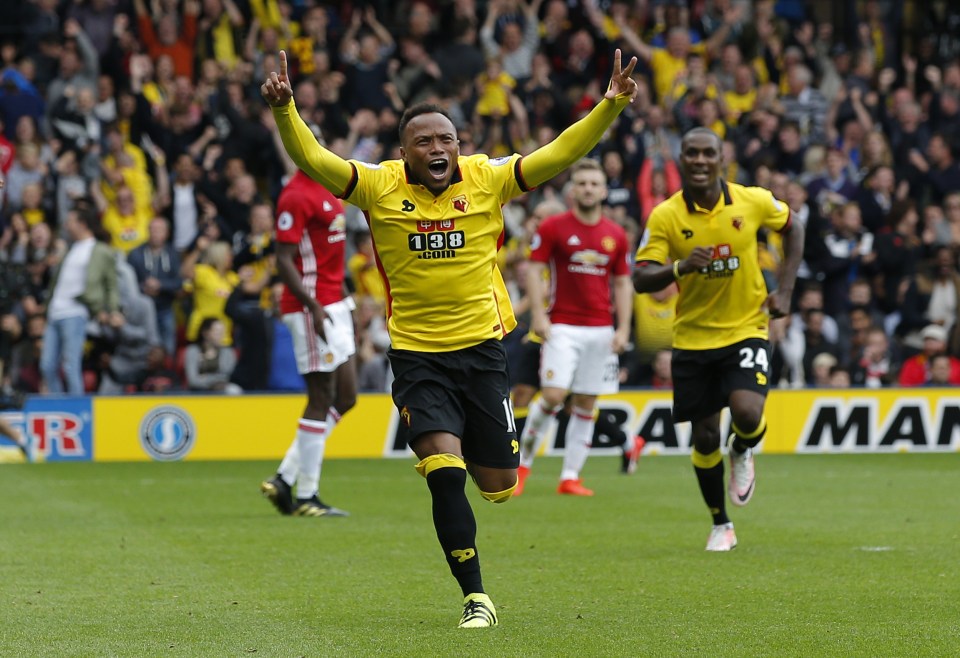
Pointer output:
721, 349
436, 222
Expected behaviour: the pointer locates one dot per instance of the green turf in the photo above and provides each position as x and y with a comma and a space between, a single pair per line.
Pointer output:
839, 556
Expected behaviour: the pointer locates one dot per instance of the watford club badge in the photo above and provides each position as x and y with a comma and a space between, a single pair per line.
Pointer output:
460, 203
737, 222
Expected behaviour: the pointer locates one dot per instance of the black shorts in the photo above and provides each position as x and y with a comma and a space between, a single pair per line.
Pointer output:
465, 393
704, 379
527, 368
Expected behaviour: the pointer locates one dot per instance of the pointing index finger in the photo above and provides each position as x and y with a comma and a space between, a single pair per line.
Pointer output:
283, 65
616, 62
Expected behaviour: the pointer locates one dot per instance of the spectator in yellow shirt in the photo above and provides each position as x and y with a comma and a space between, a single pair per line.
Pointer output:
212, 280
363, 270
742, 98
495, 87
126, 222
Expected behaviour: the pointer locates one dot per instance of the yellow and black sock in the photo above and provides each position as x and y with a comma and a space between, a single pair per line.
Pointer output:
743, 440
453, 518
709, 470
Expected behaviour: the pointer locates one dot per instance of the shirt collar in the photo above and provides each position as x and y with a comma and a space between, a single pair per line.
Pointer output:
724, 192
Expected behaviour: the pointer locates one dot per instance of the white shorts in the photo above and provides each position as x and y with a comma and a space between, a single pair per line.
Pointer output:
580, 360
312, 353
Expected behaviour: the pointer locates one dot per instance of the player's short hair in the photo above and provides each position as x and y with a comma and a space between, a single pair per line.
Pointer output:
702, 130
416, 110
586, 164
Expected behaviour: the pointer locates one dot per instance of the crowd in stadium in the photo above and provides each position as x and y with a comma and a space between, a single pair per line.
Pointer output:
142, 121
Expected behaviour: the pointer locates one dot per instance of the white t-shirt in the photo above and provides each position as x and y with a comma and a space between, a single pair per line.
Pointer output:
71, 282
184, 216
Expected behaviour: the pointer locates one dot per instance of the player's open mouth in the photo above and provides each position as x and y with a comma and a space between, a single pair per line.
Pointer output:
700, 176
438, 168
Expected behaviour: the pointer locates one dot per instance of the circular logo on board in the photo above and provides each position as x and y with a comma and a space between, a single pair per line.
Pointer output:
167, 433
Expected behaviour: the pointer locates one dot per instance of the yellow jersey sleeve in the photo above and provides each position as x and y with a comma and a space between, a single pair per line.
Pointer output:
655, 242
372, 182
570, 145
323, 166
775, 214
499, 176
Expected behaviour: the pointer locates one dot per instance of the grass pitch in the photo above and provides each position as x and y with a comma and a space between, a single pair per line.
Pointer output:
839, 556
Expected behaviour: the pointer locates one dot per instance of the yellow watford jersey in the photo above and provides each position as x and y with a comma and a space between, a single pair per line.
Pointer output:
438, 255
723, 303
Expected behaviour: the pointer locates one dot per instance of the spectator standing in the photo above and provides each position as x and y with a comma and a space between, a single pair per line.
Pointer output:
366, 55
131, 334
179, 43
940, 167
898, 252
836, 179
79, 65
460, 60
157, 266
933, 297
519, 39
849, 255
212, 281
84, 287
184, 211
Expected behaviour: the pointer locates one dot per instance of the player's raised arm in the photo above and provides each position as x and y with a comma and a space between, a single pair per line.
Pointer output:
325, 167
580, 138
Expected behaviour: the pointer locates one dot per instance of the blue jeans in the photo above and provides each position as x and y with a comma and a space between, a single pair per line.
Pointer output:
167, 329
63, 350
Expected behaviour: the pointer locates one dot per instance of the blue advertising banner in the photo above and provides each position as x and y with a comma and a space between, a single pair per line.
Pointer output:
57, 429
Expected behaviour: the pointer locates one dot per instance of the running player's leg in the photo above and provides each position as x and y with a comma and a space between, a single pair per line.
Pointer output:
526, 382
433, 420
558, 363
345, 396
596, 373
708, 465
579, 438
490, 446
520, 397
441, 464
698, 397
747, 382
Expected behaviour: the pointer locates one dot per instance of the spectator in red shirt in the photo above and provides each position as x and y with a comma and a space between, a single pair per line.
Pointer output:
165, 40
916, 370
